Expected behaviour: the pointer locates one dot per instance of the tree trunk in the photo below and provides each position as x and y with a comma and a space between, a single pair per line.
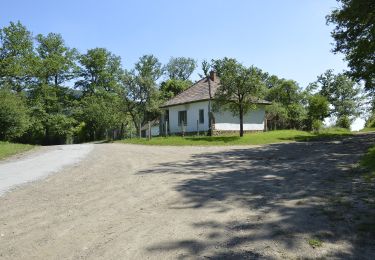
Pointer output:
241, 121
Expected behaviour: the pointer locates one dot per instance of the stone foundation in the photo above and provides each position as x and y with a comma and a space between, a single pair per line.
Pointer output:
233, 132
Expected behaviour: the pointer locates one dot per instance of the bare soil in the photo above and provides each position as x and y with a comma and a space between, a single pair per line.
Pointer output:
296, 200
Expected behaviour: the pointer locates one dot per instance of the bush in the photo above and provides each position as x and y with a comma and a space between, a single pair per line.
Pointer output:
14, 119
316, 125
343, 122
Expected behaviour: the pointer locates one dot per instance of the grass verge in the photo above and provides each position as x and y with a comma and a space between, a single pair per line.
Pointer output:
368, 162
248, 139
8, 149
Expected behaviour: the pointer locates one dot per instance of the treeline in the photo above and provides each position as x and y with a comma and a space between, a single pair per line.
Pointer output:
52, 94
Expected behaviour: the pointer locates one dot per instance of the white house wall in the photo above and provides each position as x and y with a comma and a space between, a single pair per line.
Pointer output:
192, 110
253, 121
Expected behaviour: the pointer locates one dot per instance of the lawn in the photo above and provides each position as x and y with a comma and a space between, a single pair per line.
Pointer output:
8, 149
248, 139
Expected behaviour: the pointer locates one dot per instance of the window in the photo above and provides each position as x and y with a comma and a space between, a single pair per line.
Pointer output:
182, 117
201, 116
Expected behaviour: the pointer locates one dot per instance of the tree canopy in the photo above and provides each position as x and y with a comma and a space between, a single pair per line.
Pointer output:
239, 89
354, 34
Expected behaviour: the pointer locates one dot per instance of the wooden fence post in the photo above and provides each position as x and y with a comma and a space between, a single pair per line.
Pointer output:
149, 130
183, 128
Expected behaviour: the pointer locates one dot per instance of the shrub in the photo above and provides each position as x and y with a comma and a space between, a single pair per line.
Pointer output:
317, 125
343, 122
14, 119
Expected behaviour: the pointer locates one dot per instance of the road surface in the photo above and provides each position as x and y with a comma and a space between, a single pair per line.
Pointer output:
281, 201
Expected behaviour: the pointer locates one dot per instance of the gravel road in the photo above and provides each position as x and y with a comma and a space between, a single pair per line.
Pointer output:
34, 166
149, 202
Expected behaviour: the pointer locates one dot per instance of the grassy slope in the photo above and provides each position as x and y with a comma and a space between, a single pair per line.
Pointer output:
8, 149
248, 139
368, 161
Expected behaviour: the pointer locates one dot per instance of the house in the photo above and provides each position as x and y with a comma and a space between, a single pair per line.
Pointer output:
189, 112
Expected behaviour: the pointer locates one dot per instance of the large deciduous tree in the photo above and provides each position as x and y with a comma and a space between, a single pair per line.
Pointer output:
342, 93
142, 96
101, 71
57, 61
240, 87
354, 34
180, 68
17, 57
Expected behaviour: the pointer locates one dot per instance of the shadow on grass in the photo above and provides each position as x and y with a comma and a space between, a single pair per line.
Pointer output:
291, 194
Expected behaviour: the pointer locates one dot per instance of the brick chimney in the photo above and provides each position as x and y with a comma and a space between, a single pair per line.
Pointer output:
212, 75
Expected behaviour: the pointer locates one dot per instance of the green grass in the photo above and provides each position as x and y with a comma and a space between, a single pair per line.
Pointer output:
315, 242
368, 162
248, 139
367, 129
8, 149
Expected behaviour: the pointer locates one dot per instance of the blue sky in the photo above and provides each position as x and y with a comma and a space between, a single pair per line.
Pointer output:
288, 38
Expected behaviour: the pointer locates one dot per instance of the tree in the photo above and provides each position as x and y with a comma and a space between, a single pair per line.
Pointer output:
142, 96
287, 94
341, 92
100, 113
173, 87
14, 119
354, 34
180, 68
240, 87
317, 110
17, 57
57, 61
101, 71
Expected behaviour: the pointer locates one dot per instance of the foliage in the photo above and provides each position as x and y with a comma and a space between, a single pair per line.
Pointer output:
17, 57
9, 149
247, 139
287, 109
317, 110
277, 114
343, 122
101, 71
57, 61
13, 116
142, 97
240, 87
173, 87
354, 34
342, 93
316, 125
180, 68
101, 113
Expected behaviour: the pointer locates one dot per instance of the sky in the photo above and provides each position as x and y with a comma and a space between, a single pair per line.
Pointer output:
287, 38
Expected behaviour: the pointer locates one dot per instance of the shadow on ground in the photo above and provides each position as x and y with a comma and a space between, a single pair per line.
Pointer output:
293, 195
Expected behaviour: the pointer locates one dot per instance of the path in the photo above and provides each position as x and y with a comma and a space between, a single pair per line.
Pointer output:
40, 164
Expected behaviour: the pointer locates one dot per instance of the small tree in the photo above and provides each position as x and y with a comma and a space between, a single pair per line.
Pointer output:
318, 109
239, 89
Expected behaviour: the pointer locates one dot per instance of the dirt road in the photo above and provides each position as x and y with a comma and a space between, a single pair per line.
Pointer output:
39, 164
138, 202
